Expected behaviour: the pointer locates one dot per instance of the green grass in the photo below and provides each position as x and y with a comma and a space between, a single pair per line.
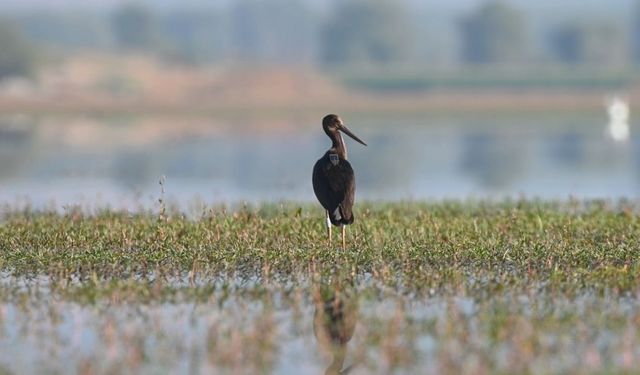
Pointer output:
413, 247
452, 287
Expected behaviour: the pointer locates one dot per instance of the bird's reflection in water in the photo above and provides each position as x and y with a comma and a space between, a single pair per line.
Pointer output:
334, 321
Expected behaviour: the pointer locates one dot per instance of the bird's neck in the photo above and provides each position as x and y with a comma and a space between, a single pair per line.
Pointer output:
338, 145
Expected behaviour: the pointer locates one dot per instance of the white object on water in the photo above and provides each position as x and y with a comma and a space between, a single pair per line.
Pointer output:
618, 127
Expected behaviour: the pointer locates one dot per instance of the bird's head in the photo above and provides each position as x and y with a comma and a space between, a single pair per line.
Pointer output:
332, 124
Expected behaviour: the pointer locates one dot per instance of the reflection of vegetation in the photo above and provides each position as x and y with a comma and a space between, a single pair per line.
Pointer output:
494, 162
568, 149
384, 168
16, 138
134, 169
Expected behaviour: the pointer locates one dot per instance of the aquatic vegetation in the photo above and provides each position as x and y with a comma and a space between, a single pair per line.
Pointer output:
452, 287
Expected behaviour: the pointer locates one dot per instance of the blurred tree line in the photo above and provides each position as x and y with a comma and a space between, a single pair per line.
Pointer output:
351, 33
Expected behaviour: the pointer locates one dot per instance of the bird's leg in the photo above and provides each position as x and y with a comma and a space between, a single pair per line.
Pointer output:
328, 227
344, 243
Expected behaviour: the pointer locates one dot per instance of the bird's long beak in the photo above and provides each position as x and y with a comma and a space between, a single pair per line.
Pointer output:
348, 132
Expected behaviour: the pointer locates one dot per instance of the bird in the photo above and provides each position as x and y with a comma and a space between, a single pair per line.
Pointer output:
333, 179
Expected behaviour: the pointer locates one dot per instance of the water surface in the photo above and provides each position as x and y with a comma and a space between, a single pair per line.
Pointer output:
119, 161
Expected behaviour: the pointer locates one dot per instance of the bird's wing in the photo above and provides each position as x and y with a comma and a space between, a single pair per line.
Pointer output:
323, 187
348, 186
334, 187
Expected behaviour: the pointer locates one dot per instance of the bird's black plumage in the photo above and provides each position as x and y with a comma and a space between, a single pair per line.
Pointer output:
335, 187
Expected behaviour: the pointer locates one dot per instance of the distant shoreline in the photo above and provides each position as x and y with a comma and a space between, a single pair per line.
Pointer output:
107, 84
467, 101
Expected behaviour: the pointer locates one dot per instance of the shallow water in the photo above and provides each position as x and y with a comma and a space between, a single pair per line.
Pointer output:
537, 333
119, 161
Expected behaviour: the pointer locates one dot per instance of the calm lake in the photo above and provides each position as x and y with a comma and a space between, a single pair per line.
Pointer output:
118, 161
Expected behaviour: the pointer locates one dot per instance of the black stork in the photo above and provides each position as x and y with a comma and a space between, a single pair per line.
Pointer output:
333, 180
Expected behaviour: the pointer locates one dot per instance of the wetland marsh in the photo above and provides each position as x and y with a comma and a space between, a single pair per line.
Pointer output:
103, 271
511, 286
